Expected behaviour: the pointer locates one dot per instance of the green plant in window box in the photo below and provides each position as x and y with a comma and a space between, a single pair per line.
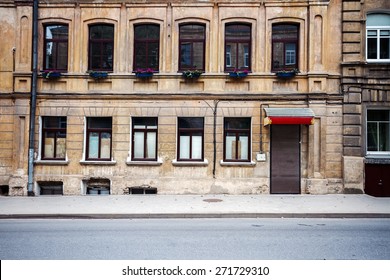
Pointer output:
50, 74
288, 73
237, 73
192, 74
98, 74
144, 73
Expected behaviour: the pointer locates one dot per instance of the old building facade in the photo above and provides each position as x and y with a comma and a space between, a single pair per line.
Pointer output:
366, 88
215, 115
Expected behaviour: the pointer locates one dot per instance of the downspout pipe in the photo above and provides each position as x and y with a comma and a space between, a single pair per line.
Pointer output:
215, 136
33, 100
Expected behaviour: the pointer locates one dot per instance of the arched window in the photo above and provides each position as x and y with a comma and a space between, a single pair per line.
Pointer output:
146, 46
237, 46
56, 47
101, 47
284, 46
378, 37
192, 46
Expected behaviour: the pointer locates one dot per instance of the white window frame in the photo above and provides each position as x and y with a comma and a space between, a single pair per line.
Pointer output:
378, 29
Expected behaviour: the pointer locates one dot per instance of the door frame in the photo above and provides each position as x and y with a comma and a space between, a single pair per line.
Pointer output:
299, 160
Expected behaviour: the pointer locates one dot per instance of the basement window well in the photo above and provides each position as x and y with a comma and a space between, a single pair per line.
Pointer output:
50, 188
97, 186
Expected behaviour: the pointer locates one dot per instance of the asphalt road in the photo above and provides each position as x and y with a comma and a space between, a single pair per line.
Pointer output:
200, 239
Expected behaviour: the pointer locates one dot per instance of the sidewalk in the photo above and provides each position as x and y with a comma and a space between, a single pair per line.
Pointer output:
196, 206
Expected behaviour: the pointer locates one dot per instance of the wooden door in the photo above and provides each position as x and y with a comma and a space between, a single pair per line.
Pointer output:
377, 179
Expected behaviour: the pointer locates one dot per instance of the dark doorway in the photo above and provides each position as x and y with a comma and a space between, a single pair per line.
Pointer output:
285, 159
377, 179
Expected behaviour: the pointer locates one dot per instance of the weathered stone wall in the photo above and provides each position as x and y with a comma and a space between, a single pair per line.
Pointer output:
168, 96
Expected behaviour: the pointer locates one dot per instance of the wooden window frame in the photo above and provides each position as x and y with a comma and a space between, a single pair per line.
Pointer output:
147, 42
285, 41
145, 131
101, 42
248, 41
99, 131
192, 41
56, 131
191, 132
55, 42
237, 131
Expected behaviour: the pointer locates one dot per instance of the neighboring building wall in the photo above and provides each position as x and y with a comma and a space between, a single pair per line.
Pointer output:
15, 60
168, 96
366, 86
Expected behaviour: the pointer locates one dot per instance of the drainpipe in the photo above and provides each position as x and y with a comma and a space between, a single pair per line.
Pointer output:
215, 136
33, 100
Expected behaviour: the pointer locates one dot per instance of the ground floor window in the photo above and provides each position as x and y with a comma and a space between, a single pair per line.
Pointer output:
53, 138
237, 139
99, 132
190, 139
378, 131
144, 138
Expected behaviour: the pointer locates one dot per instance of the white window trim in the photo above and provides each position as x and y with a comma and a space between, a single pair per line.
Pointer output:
175, 162
378, 29
84, 160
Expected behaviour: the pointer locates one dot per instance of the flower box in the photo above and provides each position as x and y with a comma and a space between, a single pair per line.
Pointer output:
98, 75
285, 74
238, 74
51, 74
144, 73
191, 74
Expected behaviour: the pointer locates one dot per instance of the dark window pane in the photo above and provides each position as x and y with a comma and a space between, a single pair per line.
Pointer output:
190, 122
185, 51
100, 122
192, 32
237, 123
384, 134
384, 48
57, 32
237, 32
147, 32
284, 46
372, 48
146, 46
56, 47
377, 115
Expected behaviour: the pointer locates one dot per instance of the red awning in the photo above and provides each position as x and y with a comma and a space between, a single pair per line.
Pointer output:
289, 116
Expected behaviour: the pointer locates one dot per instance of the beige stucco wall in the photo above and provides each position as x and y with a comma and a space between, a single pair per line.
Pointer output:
167, 95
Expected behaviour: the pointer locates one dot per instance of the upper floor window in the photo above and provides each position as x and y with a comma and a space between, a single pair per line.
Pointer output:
192, 46
378, 37
237, 144
378, 131
99, 132
101, 47
56, 47
237, 46
144, 135
190, 139
146, 46
284, 46
53, 138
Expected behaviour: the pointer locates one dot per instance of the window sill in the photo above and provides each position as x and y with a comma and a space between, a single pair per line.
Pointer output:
238, 164
144, 163
175, 162
51, 162
97, 162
